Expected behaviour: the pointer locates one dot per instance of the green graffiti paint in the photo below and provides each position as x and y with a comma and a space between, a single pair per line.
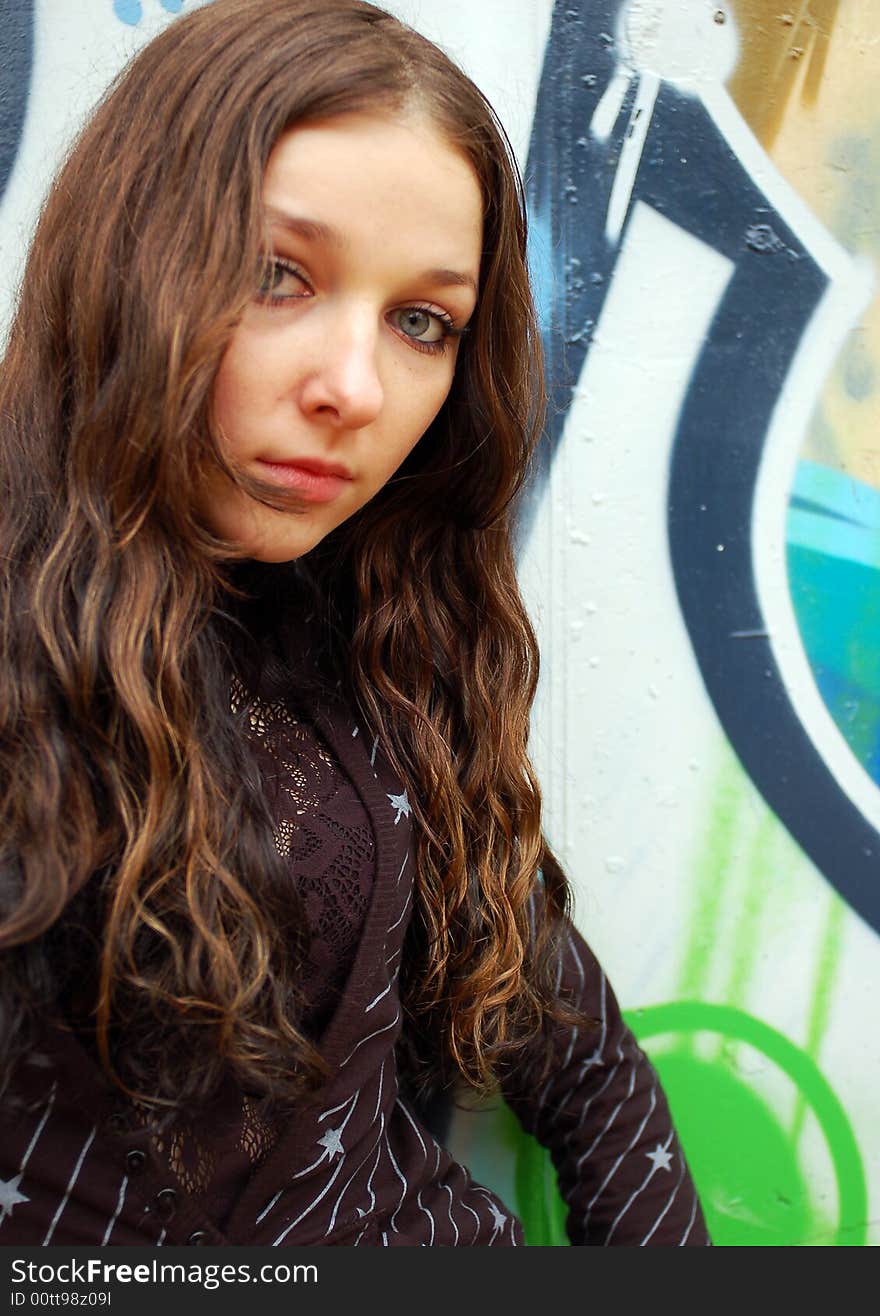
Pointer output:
743, 1160
742, 874
751, 901
488, 1138
746, 1151
540, 1207
750, 1184
722, 830
829, 959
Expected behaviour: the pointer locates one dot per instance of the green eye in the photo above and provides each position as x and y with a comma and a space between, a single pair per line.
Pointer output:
281, 281
271, 280
420, 324
423, 326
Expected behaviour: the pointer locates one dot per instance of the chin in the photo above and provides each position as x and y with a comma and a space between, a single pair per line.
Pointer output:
282, 549
277, 556
274, 538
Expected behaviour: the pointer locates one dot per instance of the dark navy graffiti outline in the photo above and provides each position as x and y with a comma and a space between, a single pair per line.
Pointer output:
16, 69
688, 172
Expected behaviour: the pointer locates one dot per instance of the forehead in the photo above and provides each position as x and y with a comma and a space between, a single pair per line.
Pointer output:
369, 176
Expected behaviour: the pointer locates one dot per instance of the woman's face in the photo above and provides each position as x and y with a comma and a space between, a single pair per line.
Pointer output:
347, 351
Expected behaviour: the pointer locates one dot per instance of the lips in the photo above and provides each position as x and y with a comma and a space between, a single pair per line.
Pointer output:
317, 481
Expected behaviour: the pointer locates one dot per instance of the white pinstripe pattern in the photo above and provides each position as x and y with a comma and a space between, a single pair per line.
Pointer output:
420, 1204
34, 1140
610, 1078
39, 1129
369, 1037
415, 1127
325, 1114
344, 1161
476, 1217
590, 1062
581, 980
406, 904
395, 955
115, 1216
628, 1079
324, 1154
597, 1053
66, 1198
499, 1220
268, 1207
360, 1165
307, 1210
687, 1233
434, 1180
382, 1148
451, 1217
377, 999
402, 1177
376, 1166
610, 1121
641, 1188
659, 1219
357, 1241
379, 1092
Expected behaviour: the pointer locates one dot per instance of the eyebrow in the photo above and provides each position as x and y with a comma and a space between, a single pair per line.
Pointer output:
315, 230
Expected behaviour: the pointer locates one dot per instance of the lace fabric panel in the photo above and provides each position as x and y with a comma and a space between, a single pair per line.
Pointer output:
323, 831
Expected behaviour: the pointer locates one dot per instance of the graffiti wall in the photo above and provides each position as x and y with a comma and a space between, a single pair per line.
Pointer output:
700, 548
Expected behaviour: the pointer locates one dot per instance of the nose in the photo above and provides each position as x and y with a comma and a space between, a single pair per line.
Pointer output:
342, 384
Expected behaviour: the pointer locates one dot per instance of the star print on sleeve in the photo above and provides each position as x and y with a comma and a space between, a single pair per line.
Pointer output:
402, 805
10, 1196
332, 1143
498, 1221
661, 1158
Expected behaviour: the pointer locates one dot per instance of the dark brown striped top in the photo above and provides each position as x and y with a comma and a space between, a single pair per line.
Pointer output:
356, 1166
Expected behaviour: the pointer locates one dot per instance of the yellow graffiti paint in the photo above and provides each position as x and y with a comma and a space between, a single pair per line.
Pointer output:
806, 84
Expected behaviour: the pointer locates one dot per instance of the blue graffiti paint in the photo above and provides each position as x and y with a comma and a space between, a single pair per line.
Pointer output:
131, 11
16, 65
128, 11
689, 173
833, 555
837, 495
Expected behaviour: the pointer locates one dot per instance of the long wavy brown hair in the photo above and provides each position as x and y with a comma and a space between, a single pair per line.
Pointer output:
141, 897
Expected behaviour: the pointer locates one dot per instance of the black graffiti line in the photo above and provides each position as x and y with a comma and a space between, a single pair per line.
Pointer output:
690, 173
16, 71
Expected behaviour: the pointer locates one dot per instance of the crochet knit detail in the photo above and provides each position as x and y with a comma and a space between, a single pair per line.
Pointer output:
323, 831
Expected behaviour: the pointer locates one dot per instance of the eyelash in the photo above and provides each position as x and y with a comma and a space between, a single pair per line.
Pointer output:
272, 298
445, 321
447, 324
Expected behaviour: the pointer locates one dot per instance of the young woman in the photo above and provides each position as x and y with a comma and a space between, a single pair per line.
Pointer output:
271, 863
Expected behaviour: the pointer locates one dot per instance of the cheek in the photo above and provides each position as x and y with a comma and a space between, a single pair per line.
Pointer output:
226, 401
237, 392
421, 408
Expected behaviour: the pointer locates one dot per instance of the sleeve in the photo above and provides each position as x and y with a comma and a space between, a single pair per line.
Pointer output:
605, 1120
